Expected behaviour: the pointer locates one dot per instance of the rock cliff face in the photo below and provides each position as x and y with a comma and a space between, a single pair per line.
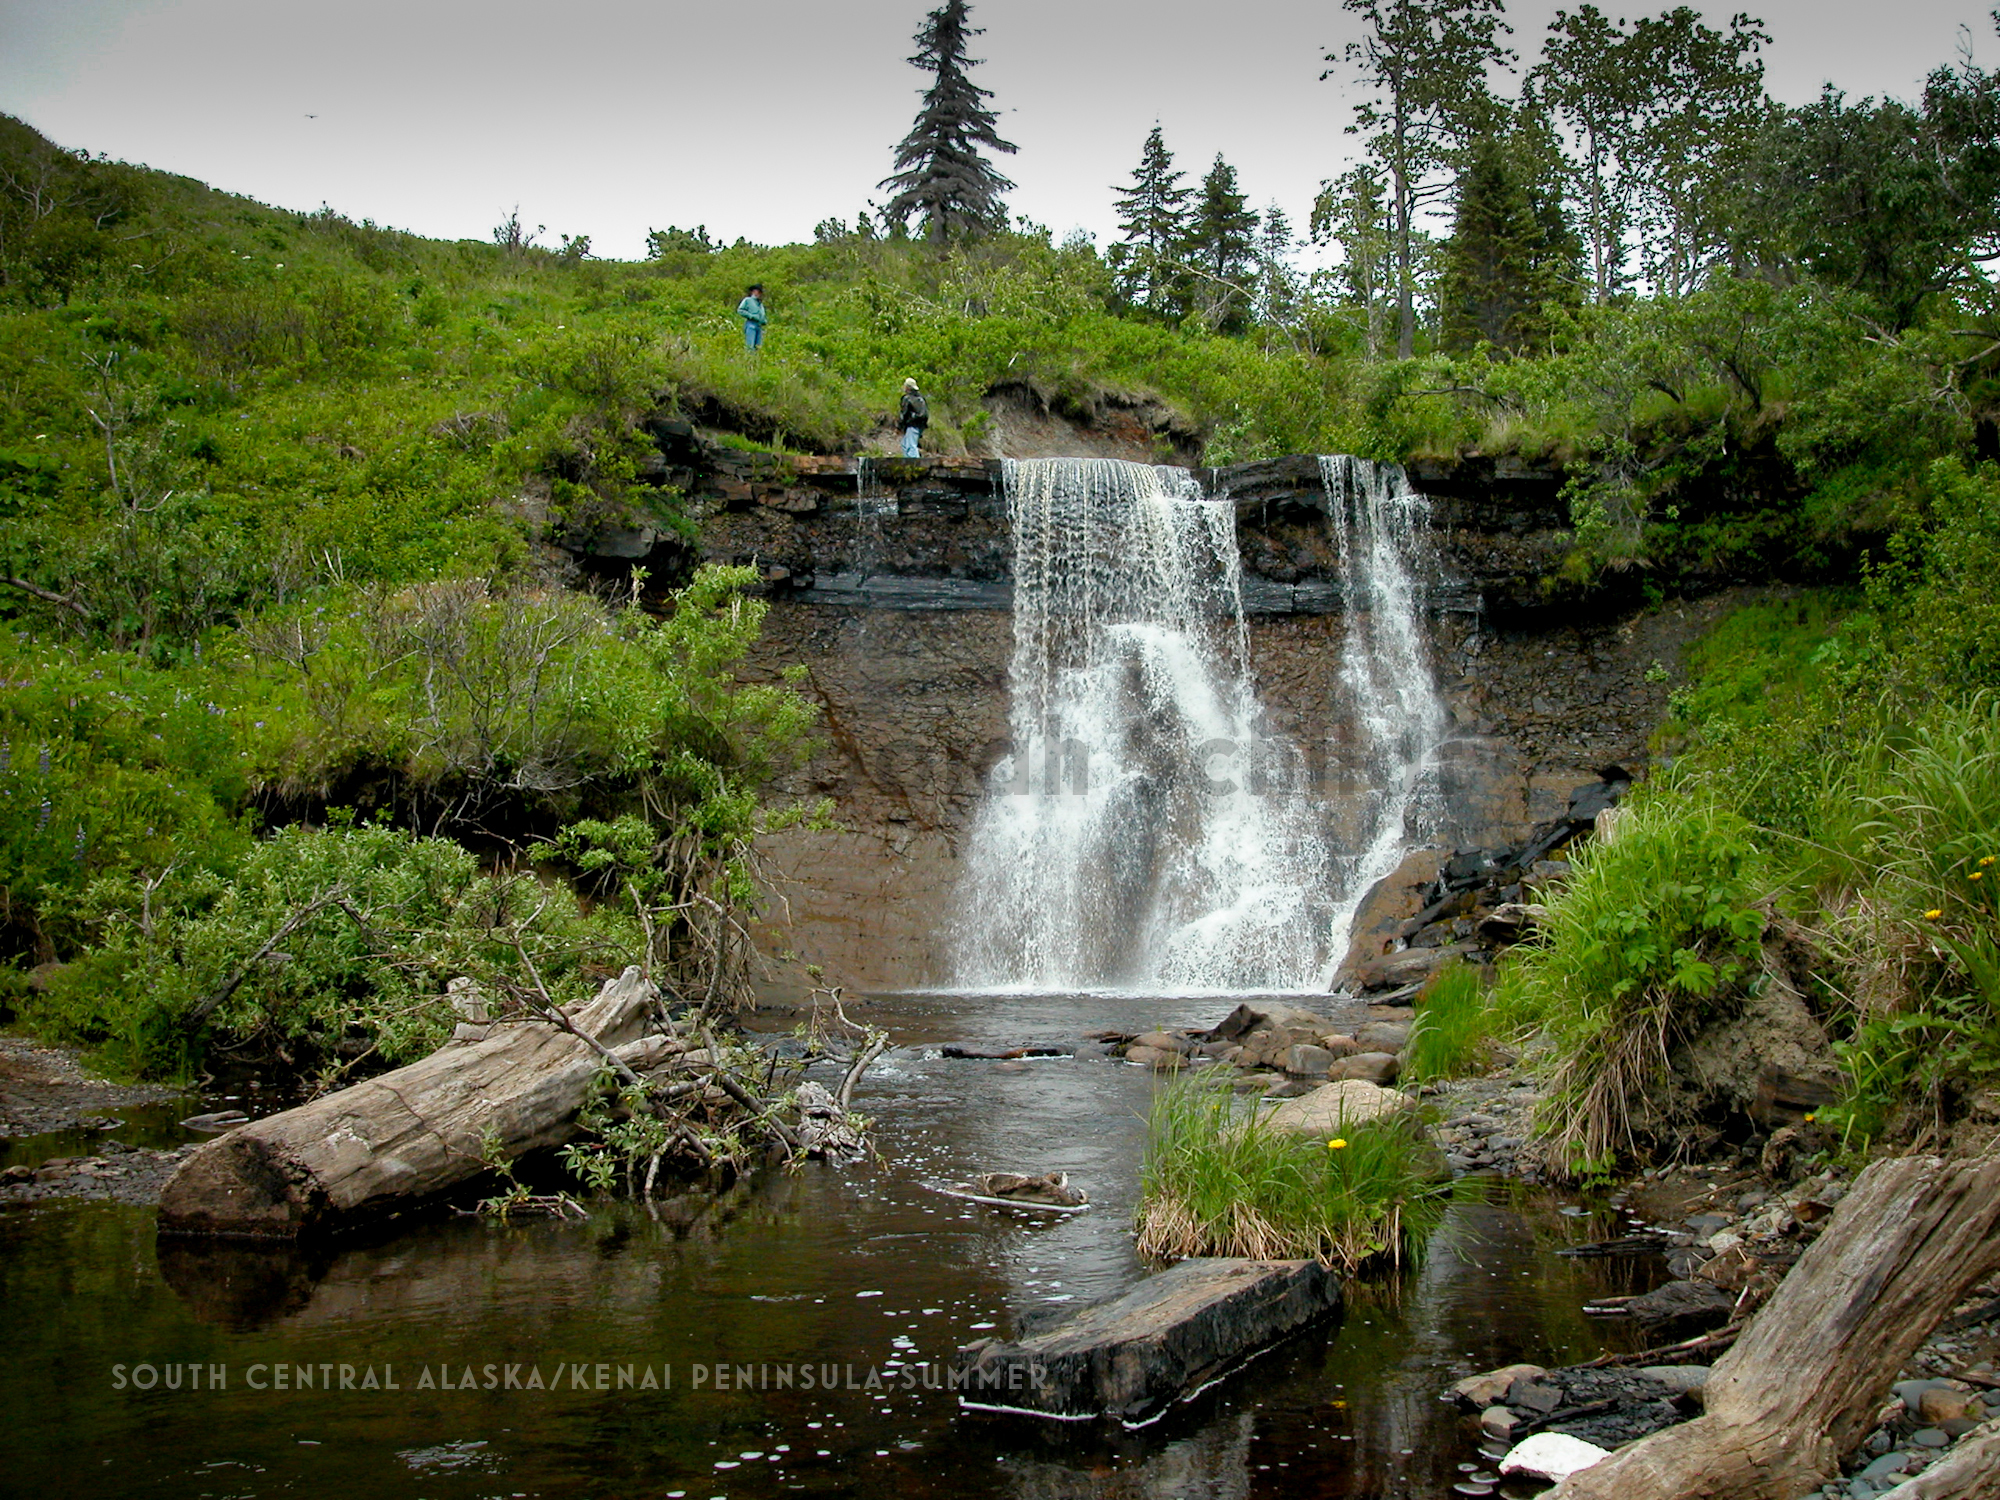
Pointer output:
891, 582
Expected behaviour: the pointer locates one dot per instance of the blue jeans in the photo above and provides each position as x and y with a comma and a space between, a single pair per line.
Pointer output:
910, 436
753, 334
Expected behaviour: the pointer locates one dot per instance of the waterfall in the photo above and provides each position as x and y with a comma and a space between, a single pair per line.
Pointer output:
1396, 720
1145, 830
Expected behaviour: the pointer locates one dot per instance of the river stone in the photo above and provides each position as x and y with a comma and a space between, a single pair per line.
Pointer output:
1159, 1059
1305, 1061
1480, 1391
1268, 1049
1163, 1041
1369, 1067
1946, 1405
1411, 966
1336, 1107
1552, 1455
1339, 1045
1381, 1036
1132, 1356
1498, 1422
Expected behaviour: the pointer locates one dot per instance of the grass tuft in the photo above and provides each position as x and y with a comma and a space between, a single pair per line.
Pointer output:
1219, 1180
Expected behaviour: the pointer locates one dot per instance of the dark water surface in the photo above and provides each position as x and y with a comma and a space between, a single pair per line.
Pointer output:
828, 1275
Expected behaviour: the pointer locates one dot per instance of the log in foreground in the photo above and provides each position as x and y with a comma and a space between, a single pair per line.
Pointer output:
1807, 1377
1132, 1356
389, 1142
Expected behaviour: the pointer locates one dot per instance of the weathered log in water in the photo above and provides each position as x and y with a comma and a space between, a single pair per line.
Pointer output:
390, 1142
1134, 1355
1806, 1379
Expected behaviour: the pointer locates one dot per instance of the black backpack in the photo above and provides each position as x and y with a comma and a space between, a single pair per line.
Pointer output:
915, 412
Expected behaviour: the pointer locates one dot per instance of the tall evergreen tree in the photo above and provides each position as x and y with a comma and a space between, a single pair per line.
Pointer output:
942, 178
1153, 214
1511, 252
1221, 248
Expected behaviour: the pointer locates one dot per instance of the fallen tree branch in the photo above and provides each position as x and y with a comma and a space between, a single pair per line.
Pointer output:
1809, 1373
205, 1006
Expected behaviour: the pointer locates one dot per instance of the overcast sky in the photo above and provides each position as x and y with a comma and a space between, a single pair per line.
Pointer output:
757, 118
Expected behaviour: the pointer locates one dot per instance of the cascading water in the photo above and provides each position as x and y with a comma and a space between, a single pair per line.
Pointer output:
1381, 528
1145, 831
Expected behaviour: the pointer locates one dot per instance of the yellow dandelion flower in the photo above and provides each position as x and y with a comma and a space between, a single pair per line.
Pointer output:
1932, 915
1978, 874
1336, 1145
1987, 861
1810, 1118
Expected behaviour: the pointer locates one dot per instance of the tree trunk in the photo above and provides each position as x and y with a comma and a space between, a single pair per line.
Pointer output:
389, 1142
1803, 1384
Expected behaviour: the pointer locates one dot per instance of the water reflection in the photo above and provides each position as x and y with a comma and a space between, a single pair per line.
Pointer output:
860, 1275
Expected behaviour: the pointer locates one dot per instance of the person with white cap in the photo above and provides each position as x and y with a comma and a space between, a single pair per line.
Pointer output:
913, 416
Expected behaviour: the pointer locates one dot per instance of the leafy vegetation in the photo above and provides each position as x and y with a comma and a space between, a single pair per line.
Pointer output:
1220, 1181
1454, 1028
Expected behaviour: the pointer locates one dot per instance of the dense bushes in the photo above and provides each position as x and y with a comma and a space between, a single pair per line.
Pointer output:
1835, 771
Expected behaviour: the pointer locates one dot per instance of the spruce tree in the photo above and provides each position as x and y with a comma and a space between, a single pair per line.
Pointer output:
1511, 252
1221, 247
941, 177
1153, 214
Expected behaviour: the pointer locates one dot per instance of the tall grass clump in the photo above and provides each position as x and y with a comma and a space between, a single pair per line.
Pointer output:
1219, 1180
1655, 936
1911, 915
1455, 1026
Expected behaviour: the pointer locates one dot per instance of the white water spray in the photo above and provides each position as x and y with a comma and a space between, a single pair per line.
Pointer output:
1145, 831
1381, 527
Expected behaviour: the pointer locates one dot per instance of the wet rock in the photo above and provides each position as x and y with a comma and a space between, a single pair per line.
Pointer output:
1163, 1041
1533, 1398
1390, 903
1498, 1422
1695, 1304
1370, 1067
1160, 1059
1132, 1356
1341, 1045
1480, 1391
1510, 922
1411, 966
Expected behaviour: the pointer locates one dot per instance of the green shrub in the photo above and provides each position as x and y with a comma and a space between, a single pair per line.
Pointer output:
1220, 1181
325, 947
1652, 938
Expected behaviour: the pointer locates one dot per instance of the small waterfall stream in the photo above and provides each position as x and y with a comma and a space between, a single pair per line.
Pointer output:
1381, 530
1147, 829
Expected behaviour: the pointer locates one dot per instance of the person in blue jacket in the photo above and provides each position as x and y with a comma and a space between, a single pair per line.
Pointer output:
751, 311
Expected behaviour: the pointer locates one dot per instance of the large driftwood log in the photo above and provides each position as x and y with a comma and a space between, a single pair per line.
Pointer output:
1806, 1379
390, 1141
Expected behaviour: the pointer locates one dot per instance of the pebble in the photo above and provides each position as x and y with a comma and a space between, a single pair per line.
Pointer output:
1931, 1437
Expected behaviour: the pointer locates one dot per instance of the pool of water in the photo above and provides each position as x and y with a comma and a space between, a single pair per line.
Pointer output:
785, 1337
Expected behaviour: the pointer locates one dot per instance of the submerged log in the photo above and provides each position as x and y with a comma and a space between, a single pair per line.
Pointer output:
1806, 1378
1133, 1356
389, 1142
